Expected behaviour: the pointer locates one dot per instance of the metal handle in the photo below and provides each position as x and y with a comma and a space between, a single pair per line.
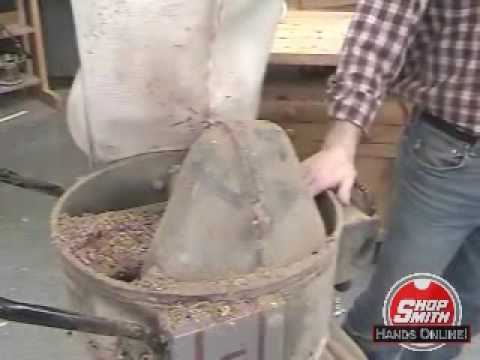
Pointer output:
12, 178
66, 320
363, 199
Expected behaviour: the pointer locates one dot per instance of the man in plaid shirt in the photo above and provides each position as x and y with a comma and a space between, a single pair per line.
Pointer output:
428, 52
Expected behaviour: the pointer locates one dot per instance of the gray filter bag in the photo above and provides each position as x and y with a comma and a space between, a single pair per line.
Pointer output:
238, 204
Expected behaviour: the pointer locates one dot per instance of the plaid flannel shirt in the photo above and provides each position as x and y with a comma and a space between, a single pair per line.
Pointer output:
427, 51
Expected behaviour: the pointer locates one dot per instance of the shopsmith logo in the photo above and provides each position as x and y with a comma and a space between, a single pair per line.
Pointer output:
422, 312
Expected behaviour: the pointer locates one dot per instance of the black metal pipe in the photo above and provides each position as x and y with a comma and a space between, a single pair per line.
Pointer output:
12, 178
66, 320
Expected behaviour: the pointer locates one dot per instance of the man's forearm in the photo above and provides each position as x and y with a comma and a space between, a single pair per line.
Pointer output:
343, 135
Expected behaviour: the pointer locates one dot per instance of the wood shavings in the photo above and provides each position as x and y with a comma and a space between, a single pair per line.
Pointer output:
112, 243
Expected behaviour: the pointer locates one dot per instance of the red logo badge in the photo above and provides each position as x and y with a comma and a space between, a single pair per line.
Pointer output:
421, 308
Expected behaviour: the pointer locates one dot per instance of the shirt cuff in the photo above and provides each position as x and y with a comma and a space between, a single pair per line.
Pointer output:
357, 107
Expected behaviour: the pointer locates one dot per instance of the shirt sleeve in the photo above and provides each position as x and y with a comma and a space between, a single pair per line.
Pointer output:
372, 57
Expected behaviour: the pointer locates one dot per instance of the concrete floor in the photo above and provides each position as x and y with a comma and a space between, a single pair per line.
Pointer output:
38, 144
35, 144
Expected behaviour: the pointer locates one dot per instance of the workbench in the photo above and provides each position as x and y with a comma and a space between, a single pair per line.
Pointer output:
310, 38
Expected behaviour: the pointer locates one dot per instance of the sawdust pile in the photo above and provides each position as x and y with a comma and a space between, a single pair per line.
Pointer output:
112, 243
116, 244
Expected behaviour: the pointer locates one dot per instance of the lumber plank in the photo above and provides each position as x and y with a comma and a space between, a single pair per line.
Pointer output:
310, 38
311, 111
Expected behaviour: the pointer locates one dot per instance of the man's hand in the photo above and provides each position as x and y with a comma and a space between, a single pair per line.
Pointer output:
334, 166
331, 169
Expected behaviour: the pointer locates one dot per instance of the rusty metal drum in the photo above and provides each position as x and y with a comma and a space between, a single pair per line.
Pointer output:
277, 313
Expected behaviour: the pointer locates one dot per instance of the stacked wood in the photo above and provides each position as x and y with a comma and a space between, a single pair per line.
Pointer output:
296, 100
326, 5
8, 17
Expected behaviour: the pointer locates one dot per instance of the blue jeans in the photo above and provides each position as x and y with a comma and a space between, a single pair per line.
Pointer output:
434, 228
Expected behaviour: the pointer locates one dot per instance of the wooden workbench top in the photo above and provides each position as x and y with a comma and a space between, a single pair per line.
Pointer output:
310, 38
